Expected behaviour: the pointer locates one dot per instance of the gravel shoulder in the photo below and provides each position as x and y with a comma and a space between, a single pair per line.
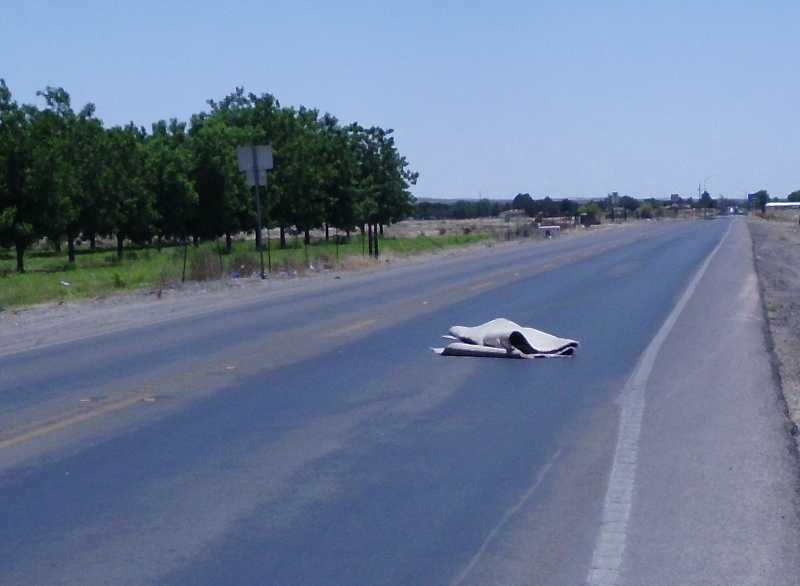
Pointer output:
776, 248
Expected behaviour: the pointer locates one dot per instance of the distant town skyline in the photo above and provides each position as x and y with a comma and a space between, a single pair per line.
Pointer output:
572, 99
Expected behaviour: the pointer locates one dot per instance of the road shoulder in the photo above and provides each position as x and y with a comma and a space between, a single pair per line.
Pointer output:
716, 485
776, 250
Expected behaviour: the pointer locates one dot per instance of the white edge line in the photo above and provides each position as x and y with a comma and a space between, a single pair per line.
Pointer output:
610, 545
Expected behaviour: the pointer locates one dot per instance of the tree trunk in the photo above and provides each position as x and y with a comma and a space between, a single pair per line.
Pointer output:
120, 240
20, 256
70, 248
381, 226
283, 236
369, 237
327, 239
347, 234
258, 239
228, 243
306, 237
93, 241
377, 249
195, 241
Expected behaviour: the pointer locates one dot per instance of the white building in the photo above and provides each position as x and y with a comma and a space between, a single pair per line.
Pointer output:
784, 210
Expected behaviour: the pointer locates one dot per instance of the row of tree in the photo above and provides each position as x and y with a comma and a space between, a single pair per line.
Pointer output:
760, 199
65, 177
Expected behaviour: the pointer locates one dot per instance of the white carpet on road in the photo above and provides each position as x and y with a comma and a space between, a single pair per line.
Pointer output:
502, 338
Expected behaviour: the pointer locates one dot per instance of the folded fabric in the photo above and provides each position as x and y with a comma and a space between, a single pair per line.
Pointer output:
503, 338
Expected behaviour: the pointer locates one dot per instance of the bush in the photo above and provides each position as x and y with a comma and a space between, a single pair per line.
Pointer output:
168, 275
204, 265
118, 281
245, 263
326, 261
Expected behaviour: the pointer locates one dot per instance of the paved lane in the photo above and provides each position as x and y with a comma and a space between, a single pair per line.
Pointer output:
331, 447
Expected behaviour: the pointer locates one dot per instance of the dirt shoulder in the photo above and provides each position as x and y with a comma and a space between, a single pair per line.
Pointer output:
776, 248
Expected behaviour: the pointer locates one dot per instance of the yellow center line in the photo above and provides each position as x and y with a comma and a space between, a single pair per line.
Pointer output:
66, 421
479, 286
359, 325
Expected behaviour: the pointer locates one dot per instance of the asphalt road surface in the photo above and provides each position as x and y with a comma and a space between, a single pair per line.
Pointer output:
313, 438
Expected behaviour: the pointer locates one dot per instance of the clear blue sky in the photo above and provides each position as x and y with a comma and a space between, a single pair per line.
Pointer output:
492, 98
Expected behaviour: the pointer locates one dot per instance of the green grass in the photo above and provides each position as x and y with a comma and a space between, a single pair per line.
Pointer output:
99, 273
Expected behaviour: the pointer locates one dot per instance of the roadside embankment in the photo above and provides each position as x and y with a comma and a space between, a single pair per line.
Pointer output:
776, 248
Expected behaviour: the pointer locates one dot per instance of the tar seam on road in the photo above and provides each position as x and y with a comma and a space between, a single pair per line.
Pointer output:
462, 575
609, 548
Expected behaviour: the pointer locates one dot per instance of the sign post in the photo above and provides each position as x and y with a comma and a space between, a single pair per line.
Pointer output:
253, 161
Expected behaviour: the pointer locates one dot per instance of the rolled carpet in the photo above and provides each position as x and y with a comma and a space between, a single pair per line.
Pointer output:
502, 338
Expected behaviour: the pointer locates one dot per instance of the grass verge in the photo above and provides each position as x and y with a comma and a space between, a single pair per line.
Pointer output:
50, 277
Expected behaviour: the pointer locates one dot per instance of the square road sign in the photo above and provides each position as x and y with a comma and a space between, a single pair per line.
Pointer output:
263, 154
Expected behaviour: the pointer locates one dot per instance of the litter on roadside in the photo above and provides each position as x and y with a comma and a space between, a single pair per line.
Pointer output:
502, 338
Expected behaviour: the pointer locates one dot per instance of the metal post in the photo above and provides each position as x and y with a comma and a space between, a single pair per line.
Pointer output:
185, 254
258, 211
269, 252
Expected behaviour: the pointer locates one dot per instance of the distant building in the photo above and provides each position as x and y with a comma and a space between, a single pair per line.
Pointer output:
783, 210
675, 198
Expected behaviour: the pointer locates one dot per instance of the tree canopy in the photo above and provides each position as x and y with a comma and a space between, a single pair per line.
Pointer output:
65, 176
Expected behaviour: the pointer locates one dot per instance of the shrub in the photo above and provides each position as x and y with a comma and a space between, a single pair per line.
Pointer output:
245, 263
169, 275
326, 261
118, 281
204, 265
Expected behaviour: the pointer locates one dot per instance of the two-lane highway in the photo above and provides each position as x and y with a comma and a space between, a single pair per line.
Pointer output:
313, 438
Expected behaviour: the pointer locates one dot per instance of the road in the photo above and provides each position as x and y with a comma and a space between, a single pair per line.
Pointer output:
313, 438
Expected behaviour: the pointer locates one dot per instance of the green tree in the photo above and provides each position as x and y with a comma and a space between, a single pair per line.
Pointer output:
168, 176
568, 207
225, 203
523, 201
705, 202
794, 196
131, 207
646, 210
89, 141
67, 163
21, 210
760, 200
591, 213
303, 174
